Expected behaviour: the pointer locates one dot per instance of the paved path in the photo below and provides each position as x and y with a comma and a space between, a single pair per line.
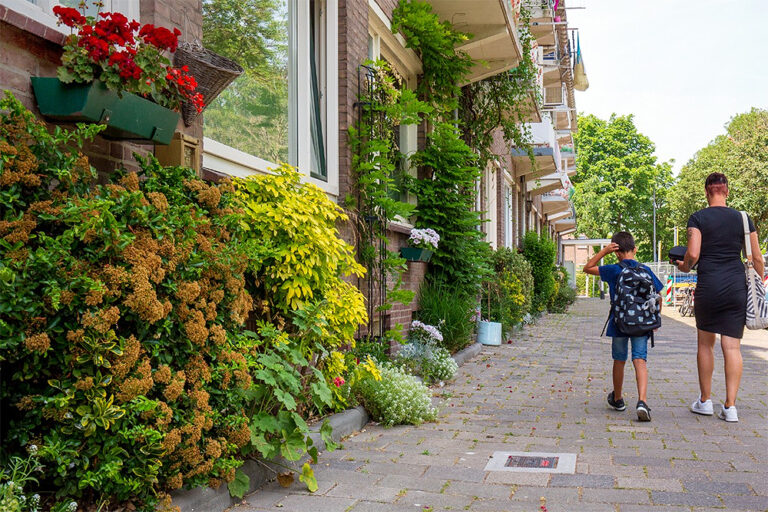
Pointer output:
545, 392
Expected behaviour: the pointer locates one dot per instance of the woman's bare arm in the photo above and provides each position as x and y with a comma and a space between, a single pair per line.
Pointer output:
757, 256
693, 252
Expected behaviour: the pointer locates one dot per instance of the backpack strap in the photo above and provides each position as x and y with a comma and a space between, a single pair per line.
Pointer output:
652, 343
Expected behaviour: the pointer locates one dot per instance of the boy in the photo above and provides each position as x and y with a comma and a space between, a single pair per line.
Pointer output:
623, 245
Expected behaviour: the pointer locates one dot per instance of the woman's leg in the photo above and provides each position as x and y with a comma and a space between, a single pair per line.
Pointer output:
705, 361
733, 367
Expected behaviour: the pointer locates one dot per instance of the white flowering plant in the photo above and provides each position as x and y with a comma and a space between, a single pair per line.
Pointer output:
423, 356
424, 238
424, 333
17, 474
397, 398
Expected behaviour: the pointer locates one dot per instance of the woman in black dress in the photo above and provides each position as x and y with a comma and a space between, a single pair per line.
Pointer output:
715, 241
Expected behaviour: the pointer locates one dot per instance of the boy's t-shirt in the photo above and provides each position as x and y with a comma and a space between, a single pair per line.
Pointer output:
610, 274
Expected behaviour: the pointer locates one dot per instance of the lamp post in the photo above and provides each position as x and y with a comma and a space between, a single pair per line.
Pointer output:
655, 254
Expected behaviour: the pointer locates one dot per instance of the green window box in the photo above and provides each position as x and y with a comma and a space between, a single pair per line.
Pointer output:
129, 117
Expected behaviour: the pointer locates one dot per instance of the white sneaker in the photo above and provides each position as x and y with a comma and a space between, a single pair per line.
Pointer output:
728, 413
704, 408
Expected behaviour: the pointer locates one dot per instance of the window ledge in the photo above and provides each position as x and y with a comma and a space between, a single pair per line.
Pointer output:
400, 226
25, 22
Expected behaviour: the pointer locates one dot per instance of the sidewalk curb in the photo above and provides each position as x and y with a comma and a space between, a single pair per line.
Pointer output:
205, 499
462, 356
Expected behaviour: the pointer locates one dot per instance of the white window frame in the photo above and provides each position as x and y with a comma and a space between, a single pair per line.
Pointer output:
239, 163
42, 10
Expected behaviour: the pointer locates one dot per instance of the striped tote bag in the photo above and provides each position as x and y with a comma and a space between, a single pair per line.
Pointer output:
757, 306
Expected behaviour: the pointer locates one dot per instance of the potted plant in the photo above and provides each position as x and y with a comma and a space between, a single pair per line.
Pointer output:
489, 315
116, 72
423, 243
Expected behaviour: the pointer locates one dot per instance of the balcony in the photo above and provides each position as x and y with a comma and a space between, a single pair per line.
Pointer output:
547, 184
494, 44
556, 201
565, 224
542, 13
546, 152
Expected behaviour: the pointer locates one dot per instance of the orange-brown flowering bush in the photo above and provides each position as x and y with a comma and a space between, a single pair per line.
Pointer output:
118, 305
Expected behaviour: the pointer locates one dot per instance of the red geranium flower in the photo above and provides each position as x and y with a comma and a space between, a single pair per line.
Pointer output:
69, 16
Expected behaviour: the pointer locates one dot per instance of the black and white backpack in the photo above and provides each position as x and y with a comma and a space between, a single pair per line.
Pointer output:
636, 306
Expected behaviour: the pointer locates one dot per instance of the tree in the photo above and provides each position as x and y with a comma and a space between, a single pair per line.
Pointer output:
742, 155
616, 180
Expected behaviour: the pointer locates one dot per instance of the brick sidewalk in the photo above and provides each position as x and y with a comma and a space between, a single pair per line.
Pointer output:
546, 392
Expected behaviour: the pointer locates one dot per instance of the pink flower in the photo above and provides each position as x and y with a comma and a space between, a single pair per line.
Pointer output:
339, 381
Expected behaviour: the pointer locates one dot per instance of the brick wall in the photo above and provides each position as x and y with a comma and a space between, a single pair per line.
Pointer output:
28, 48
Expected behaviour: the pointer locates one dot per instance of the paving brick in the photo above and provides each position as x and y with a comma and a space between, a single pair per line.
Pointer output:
615, 496
716, 487
437, 501
596, 481
316, 503
656, 484
510, 477
746, 502
685, 498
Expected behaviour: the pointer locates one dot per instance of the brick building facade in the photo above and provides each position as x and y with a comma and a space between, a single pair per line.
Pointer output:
31, 45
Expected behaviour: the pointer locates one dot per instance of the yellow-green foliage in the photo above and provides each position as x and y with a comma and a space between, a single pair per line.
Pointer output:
296, 253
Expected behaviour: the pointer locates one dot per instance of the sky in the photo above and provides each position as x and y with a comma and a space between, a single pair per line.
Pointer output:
682, 67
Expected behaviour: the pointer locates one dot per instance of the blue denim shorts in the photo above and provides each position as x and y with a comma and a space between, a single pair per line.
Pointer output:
639, 347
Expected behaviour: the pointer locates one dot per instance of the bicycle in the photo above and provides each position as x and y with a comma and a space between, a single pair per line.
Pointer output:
686, 306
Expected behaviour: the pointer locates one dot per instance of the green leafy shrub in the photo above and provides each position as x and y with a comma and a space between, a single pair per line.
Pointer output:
396, 398
121, 320
564, 295
447, 199
118, 304
507, 296
451, 308
540, 252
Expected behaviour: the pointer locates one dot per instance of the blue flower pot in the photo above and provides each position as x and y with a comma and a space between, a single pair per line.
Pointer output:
489, 333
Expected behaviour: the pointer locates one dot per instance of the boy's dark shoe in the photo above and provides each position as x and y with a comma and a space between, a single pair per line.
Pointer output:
619, 404
643, 411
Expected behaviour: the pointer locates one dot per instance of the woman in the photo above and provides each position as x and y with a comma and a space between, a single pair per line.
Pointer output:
715, 241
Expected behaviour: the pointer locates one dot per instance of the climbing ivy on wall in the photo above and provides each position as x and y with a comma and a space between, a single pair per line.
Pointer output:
379, 165
448, 166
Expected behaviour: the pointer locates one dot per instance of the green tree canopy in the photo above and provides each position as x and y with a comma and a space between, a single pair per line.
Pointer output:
617, 175
742, 155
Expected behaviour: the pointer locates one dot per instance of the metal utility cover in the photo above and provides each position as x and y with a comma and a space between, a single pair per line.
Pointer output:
532, 462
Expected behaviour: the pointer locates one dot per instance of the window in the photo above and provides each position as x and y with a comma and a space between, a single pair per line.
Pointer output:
284, 107
42, 10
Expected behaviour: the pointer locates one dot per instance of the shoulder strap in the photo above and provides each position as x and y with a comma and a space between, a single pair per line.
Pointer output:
747, 241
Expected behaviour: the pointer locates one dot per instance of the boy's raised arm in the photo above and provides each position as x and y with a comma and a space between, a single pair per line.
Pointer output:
590, 267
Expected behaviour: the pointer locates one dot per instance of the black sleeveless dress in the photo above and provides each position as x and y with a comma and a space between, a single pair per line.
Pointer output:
720, 303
